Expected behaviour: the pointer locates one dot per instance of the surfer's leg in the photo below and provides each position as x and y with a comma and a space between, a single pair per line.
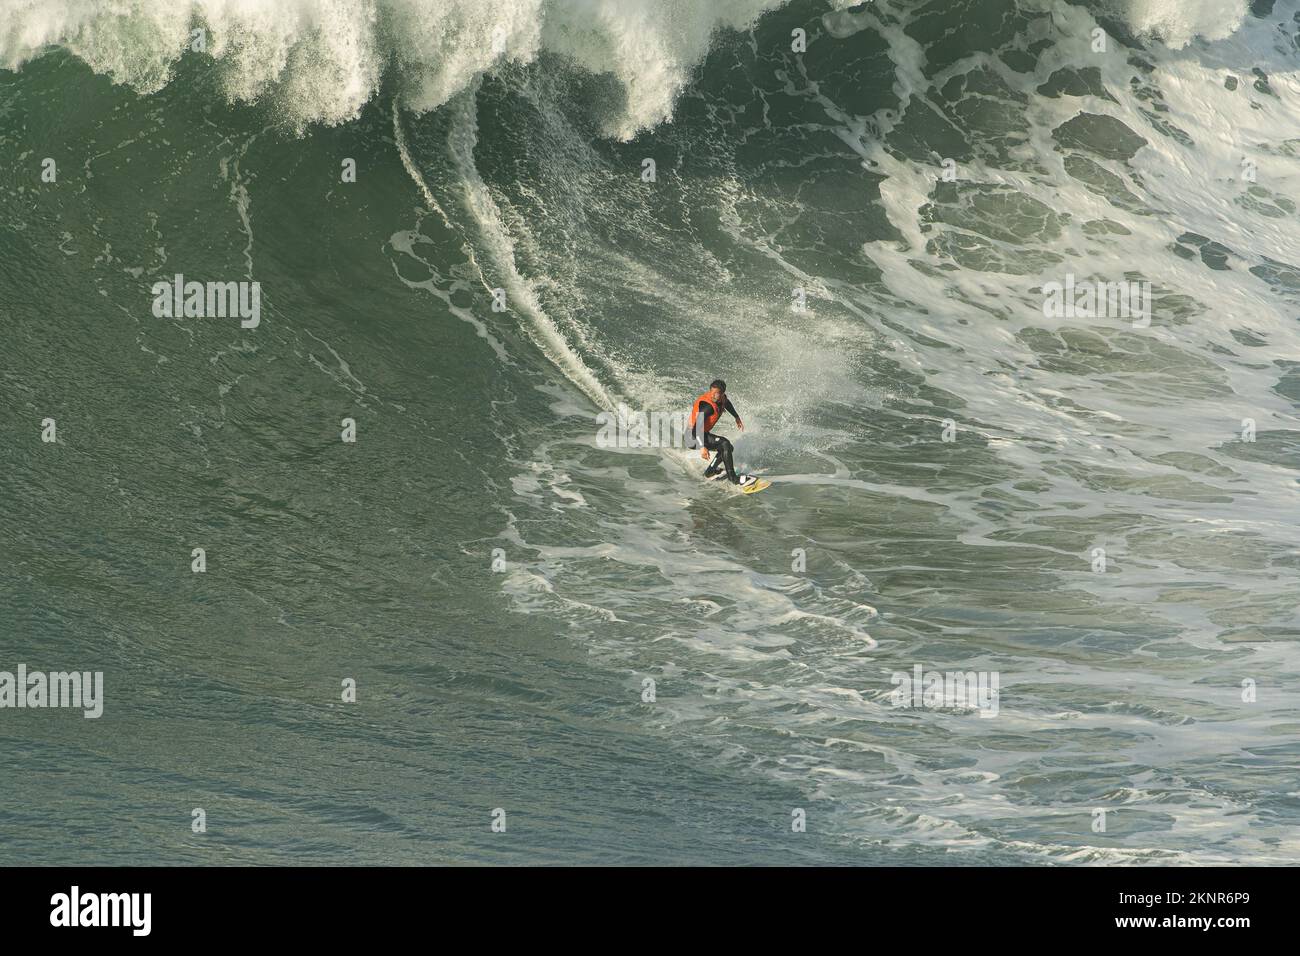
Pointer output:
711, 443
723, 453
714, 466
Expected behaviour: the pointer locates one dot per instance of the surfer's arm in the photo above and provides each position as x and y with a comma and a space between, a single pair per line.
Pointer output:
698, 431
731, 410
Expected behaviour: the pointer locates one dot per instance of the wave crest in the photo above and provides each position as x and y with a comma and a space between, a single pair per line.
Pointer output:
322, 60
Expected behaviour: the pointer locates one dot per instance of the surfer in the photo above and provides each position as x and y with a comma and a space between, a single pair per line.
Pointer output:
708, 408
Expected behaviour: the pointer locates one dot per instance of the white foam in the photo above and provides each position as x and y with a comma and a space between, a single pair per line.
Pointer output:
323, 59
1178, 22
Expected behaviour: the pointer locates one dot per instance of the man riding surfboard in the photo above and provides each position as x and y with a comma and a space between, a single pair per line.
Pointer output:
706, 411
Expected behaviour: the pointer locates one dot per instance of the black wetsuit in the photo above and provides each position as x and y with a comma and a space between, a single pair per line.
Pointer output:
720, 446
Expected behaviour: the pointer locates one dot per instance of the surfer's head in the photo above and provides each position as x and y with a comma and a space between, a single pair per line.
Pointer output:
718, 388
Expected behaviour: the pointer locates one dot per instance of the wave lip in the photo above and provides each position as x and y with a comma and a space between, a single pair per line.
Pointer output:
322, 60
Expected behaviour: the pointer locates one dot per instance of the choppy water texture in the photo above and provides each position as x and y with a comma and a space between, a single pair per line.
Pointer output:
501, 146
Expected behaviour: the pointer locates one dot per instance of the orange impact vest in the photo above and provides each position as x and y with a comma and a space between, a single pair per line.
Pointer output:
709, 420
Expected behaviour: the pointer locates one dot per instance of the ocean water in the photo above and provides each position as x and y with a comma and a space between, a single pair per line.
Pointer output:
858, 231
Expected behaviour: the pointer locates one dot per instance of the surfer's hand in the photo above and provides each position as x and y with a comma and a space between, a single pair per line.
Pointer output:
740, 424
704, 453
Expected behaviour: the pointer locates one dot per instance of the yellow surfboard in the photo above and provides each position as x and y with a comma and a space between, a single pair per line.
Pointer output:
758, 484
